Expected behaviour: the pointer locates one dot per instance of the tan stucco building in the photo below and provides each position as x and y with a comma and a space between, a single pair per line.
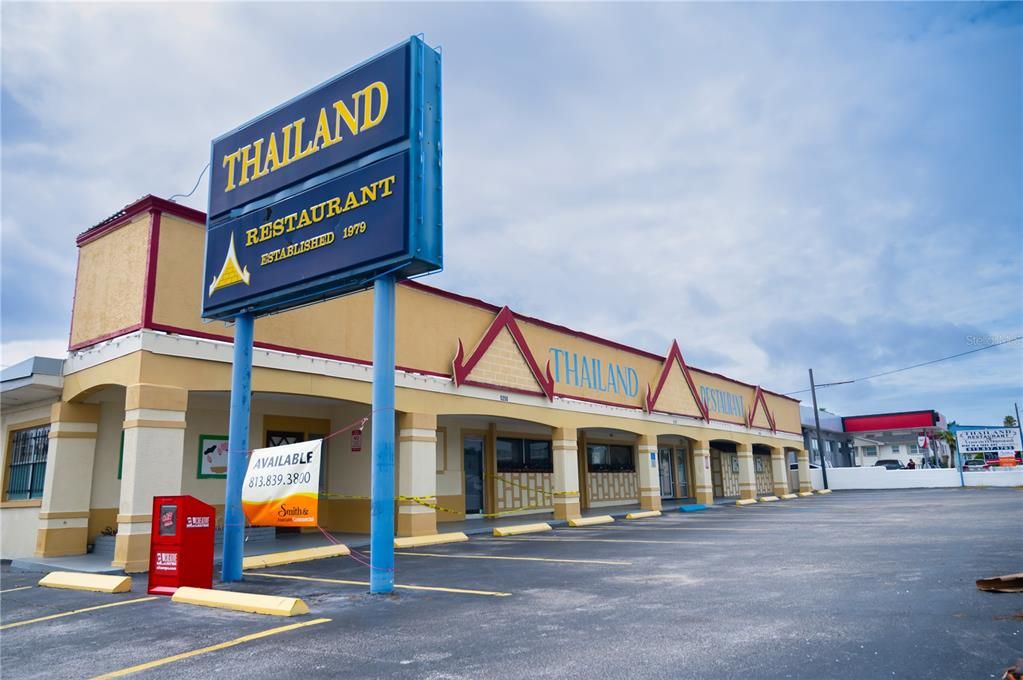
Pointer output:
499, 413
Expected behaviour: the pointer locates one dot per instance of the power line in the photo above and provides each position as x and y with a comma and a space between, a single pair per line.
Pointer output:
199, 179
906, 368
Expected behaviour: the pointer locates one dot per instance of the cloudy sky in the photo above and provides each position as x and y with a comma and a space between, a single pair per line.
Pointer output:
777, 186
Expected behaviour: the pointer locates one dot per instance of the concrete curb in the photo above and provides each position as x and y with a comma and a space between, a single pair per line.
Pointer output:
270, 605
643, 515
292, 556
432, 539
745, 501
769, 499
789, 496
74, 580
590, 521
521, 529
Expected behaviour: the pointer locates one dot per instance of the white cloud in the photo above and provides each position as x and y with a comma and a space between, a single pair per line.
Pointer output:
702, 172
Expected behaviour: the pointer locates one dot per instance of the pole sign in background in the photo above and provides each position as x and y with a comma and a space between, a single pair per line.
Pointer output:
316, 198
282, 485
1001, 440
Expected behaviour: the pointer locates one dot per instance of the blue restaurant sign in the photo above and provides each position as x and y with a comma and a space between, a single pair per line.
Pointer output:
319, 196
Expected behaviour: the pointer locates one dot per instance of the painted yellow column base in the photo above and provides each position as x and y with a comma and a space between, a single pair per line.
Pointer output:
566, 508
746, 501
131, 553
643, 515
61, 542
522, 529
241, 602
650, 502
435, 539
748, 494
806, 493
780, 490
769, 499
788, 496
98, 583
824, 491
293, 556
590, 521
418, 524
705, 497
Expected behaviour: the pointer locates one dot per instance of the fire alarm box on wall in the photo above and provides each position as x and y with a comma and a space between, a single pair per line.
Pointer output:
181, 547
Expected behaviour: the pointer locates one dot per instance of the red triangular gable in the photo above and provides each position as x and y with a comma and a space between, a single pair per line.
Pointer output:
675, 355
758, 400
505, 319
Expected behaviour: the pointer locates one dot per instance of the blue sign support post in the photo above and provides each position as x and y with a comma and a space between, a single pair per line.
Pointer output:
381, 578
238, 448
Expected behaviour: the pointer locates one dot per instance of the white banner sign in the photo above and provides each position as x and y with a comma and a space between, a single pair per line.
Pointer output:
1003, 440
282, 485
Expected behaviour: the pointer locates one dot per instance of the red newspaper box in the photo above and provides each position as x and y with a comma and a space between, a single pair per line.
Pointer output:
181, 549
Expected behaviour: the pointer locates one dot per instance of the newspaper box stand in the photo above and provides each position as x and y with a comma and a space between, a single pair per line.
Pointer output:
181, 549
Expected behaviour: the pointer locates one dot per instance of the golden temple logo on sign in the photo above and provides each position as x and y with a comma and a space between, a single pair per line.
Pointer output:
282, 485
231, 273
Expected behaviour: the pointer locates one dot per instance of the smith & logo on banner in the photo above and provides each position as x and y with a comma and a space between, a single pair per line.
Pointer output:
316, 198
282, 485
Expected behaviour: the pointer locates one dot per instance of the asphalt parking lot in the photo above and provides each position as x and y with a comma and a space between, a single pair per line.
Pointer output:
851, 585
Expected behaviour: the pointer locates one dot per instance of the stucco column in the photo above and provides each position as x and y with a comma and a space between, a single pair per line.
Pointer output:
417, 473
779, 470
701, 472
647, 473
154, 451
67, 487
805, 482
566, 473
747, 473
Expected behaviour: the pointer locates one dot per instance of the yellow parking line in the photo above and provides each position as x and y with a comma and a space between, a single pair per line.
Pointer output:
212, 648
594, 540
463, 591
76, 611
11, 590
520, 559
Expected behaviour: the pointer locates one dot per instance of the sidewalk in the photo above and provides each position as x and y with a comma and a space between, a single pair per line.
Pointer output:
100, 564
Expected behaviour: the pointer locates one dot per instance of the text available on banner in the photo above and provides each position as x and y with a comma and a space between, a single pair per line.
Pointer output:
282, 485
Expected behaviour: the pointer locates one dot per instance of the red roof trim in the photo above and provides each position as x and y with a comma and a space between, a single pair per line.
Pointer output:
461, 368
133, 210
103, 338
675, 354
152, 257
482, 304
758, 399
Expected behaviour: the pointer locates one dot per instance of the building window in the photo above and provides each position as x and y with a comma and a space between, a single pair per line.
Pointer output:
914, 449
896, 449
524, 455
813, 444
28, 463
610, 458
870, 451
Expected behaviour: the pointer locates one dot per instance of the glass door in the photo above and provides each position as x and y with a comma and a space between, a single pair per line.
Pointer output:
473, 468
664, 468
683, 479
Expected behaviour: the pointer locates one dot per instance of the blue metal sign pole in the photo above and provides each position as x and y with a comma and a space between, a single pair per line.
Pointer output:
381, 562
238, 448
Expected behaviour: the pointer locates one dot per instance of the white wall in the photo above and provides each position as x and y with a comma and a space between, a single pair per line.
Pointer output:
18, 527
880, 478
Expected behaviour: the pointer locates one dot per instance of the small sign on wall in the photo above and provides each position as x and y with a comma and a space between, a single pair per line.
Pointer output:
653, 459
212, 456
357, 440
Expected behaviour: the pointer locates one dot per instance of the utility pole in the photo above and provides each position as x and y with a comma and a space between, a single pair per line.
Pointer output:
817, 422
1019, 425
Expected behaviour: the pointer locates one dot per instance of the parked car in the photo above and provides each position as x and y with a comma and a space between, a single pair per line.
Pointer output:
890, 464
975, 465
